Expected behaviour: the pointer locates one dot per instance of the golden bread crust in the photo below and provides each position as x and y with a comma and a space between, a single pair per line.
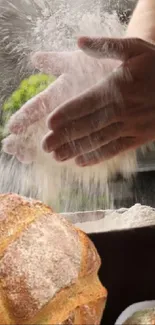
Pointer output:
91, 261
45, 262
16, 213
89, 314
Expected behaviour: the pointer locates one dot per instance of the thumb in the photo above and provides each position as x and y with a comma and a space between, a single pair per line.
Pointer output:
114, 48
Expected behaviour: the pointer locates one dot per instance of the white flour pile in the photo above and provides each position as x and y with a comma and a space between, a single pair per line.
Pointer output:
138, 216
55, 25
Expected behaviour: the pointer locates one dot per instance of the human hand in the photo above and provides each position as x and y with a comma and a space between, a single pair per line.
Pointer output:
76, 72
115, 115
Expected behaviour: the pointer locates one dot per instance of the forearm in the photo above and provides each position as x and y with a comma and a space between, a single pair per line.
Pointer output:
142, 23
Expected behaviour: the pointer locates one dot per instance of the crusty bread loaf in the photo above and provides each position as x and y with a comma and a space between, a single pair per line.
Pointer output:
48, 268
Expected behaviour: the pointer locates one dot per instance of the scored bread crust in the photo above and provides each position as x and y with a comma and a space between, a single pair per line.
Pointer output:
89, 314
34, 285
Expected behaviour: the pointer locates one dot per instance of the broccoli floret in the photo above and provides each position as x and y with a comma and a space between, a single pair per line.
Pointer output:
28, 88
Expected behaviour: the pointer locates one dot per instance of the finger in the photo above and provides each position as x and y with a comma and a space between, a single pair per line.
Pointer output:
35, 109
90, 143
15, 146
80, 128
9, 144
114, 48
26, 155
106, 152
85, 104
55, 63
39, 106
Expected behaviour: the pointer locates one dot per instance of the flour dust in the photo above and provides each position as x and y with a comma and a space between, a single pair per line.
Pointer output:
28, 26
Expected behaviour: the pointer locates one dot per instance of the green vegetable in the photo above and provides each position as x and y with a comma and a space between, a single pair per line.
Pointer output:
28, 88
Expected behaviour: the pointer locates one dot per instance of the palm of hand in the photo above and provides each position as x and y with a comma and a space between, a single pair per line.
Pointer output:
113, 117
76, 73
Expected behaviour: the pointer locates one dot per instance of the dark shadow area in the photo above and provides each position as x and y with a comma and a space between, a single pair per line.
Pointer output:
128, 268
139, 189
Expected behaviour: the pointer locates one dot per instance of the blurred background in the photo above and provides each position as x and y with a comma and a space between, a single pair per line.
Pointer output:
25, 27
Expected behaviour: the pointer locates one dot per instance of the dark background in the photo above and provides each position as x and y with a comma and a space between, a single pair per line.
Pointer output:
128, 268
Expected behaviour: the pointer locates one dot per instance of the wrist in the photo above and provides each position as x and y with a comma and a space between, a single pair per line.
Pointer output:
142, 23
